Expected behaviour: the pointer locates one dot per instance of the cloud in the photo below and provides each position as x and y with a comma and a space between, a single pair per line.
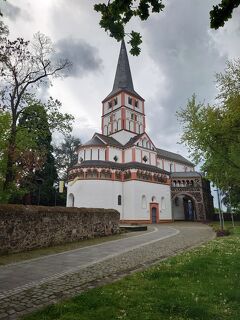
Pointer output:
9, 10
83, 56
181, 47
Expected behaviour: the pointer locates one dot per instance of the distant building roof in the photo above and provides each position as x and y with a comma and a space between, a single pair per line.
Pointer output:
173, 156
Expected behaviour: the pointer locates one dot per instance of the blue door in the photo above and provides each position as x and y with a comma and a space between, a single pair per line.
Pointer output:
154, 215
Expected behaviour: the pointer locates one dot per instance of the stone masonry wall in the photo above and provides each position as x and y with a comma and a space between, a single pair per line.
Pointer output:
27, 227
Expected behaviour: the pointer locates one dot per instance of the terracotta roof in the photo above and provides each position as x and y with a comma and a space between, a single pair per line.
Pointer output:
173, 156
119, 166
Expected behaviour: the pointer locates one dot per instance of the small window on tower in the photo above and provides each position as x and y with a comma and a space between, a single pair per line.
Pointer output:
135, 117
115, 101
129, 100
132, 116
136, 103
109, 104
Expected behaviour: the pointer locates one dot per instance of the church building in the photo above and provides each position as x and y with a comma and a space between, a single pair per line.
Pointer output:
123, 169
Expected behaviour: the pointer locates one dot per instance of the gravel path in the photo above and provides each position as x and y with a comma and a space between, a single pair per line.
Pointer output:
27, 286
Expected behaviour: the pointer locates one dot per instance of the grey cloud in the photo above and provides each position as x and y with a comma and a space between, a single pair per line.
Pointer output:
9, 10
180, 44
83, 56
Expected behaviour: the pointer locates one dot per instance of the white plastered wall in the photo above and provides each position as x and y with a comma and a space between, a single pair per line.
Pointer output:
133, 192
115, 152
123, 136
178, 211
95, 194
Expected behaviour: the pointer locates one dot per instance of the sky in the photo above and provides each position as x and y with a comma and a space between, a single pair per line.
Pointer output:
180, 56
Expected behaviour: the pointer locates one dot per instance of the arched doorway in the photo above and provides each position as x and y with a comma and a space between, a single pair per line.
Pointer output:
189, 208
154, 215
184, 207
154, 212
71, 200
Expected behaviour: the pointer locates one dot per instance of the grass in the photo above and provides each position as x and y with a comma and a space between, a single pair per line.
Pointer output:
199, 284
36, 253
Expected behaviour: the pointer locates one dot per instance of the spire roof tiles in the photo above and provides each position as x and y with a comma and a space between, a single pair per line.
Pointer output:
123, 77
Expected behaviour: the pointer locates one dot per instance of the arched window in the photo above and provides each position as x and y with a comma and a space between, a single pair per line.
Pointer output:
144, 202
163, 203
154, 199
119, 200
71, 200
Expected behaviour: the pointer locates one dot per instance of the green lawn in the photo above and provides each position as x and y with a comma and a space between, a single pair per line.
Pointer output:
200, 284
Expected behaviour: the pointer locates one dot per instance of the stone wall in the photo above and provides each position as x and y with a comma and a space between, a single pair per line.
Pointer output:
27, 227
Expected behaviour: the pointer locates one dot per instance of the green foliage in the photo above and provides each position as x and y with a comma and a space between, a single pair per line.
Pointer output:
34, 159
212, 133
5, 122
65, 155
117, 13
222, 12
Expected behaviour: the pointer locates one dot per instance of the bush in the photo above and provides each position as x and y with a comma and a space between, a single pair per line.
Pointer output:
222, 233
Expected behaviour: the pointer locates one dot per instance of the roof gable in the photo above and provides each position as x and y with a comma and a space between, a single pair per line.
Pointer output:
138, 141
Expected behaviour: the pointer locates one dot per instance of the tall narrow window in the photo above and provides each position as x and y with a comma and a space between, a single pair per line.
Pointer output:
115, 101
163, 203
171, 167
119, 200
98, 154
84, 154
130, 100
109, 104
91, 154
144, 202
136, 103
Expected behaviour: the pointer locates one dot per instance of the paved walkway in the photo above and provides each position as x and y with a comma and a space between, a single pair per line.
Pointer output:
29, 285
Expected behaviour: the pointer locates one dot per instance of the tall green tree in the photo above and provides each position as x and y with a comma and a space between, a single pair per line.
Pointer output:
5, 121
35, 165
212, 133
33, 153
65, 155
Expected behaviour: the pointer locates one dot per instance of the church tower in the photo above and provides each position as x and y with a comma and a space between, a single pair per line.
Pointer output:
123, 114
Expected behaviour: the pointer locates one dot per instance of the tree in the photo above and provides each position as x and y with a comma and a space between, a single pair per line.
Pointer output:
65, 155
35, 166
212, 133
5, 120
117, 13
222, 12
23, 66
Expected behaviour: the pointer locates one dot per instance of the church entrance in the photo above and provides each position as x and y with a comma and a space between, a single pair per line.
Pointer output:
154, 212
189, 210
154, 215
184, 207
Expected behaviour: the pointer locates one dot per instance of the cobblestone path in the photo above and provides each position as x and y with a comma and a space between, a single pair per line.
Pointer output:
30, 285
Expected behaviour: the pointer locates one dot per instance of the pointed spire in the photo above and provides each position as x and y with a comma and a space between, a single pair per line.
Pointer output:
123, 77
